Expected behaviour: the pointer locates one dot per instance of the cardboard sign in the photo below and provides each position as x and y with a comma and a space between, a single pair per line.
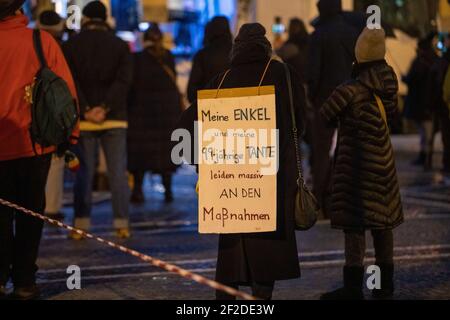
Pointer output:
238, 160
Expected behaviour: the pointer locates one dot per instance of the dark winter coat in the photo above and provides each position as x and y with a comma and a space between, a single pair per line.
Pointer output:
435, 86
101, 65
295, 53
331, 55
365, 191
417, 105
263, 257
213, 59
154, 109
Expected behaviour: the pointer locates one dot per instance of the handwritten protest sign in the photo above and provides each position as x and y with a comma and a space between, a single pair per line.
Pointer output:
238, 160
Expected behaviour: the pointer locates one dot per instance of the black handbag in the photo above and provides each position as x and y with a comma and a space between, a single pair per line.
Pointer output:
307, 208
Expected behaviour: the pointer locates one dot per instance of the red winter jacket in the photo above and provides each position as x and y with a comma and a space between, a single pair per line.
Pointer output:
18, 66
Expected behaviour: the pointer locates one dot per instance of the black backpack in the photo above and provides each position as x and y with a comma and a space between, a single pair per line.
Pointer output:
54, 113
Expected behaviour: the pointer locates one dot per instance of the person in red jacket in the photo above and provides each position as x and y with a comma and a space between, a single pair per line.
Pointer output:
23, 173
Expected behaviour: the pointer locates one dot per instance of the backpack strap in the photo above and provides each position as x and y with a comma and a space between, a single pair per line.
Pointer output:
38, 48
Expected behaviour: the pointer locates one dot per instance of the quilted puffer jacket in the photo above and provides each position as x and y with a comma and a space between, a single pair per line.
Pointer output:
366, 193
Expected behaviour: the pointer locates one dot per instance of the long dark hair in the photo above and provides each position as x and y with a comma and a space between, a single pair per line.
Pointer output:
153, 41
297, 31
218, 31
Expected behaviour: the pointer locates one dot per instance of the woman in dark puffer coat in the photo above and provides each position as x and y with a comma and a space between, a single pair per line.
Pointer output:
366, 194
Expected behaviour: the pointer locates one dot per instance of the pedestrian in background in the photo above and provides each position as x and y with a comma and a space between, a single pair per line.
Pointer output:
260, 259
441, 83
417, 106
52, 23
23, 174
154, 109
330, 62
295, 50
214, 58
102, 68
365, 193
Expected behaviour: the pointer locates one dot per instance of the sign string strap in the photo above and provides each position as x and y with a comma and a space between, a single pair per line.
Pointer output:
260, 82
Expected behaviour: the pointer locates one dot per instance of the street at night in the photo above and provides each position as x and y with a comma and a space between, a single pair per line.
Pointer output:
169, 232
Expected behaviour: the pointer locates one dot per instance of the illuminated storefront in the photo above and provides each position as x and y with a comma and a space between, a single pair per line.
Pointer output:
184, 20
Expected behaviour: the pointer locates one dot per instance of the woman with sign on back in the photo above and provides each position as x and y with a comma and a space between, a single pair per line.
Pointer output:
260, 259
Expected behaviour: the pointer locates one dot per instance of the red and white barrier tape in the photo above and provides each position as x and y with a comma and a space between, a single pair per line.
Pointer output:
156, 262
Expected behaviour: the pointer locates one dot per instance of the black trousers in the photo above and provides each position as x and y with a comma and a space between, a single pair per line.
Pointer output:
22, 181
445, 129
355, 247
321, 165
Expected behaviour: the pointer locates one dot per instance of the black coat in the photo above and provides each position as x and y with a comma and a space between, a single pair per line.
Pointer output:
417, 105
295, 53
208, 63
101, 66
331, 55
435, 86
154, 109
366, 193
264, 257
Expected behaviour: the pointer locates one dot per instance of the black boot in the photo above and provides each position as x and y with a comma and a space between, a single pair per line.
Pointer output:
168, 197
421, 159
137, 195
25, 293
2, 292
353, 284
387, 283
167, 182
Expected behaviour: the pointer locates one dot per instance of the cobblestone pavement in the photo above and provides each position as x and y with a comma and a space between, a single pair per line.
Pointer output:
169, 232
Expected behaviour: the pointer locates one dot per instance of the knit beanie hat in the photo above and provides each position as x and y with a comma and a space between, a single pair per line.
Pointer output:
95, 10
8, 7
329, 8
50, 21
251, 35
371, 45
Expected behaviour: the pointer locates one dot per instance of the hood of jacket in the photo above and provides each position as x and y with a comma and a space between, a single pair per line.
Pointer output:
377, 76
218, 31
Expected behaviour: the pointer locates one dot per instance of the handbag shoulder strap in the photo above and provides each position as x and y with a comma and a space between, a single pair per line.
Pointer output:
169, 72
381, 108
38, 48
294, 124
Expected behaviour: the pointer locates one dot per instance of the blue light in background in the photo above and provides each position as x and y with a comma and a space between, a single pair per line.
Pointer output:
126, 14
